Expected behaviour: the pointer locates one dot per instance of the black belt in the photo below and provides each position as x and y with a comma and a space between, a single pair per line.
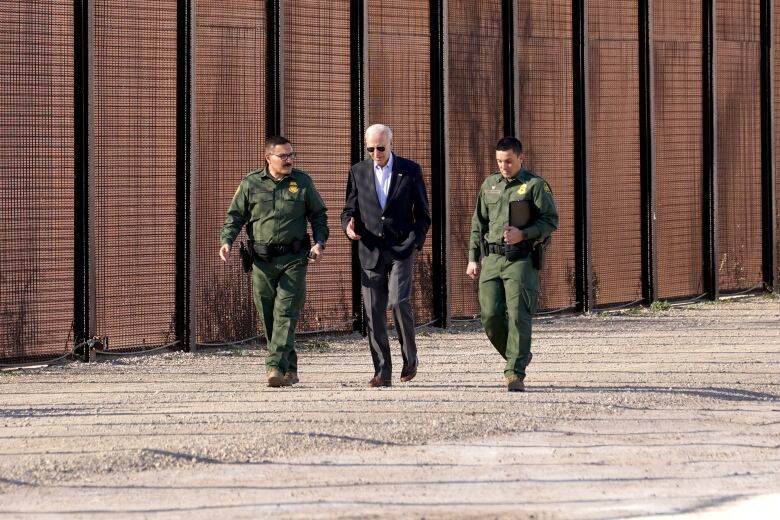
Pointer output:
516, 251
495, 249
270, 250
274, 249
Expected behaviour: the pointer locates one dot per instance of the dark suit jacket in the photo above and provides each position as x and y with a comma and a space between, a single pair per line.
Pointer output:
402, 225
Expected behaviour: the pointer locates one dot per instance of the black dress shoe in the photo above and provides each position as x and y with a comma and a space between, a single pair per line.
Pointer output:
408, 373
378, 381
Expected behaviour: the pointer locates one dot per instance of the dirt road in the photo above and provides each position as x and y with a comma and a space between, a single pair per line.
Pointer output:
627, 414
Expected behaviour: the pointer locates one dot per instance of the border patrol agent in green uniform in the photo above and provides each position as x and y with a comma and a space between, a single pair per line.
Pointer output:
275, 204
511, 257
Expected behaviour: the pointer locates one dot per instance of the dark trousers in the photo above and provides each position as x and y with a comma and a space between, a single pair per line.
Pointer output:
389, 284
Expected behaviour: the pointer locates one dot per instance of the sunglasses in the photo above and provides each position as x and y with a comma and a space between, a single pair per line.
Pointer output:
371, 149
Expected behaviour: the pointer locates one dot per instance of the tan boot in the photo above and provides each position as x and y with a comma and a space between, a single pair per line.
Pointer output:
290, 377
276, 378
514, 383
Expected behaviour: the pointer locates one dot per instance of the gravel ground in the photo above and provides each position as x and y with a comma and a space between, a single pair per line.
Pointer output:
627, 414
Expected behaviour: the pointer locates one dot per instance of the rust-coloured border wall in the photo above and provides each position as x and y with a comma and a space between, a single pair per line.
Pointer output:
125, 129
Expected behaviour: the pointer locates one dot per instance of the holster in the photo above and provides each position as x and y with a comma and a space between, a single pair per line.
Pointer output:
246, 257
538, 253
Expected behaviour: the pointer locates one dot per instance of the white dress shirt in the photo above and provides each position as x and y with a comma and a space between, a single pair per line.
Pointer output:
382, 178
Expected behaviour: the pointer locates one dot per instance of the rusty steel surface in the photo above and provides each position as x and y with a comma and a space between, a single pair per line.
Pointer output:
475, 123
739, 144
317, 121
546, 129
613, 151
230, 122
398, 70
133, 171
776, 109
132, 147
678, 147
36, 178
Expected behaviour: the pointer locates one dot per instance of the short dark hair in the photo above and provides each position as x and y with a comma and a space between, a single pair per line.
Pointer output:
509, 143
275, 140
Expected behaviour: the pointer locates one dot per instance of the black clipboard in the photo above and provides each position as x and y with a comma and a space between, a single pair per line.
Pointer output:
520, 213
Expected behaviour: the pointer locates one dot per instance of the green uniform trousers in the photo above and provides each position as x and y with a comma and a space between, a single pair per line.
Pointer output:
279, 288
507, 308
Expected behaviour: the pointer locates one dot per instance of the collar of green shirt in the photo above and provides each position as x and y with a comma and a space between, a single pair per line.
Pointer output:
264, 173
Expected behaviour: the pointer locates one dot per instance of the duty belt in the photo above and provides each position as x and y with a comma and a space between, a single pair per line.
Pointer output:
512, 252
495, 249
273, 249
270, 250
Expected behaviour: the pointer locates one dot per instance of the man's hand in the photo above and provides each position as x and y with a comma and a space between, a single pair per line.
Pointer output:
473, 270
224, 252
315, 254
513, 235
351, 230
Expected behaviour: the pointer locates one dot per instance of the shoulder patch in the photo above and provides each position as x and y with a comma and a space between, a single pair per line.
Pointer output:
547, 187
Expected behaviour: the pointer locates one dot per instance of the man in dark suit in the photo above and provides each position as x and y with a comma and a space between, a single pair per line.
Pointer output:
386, 211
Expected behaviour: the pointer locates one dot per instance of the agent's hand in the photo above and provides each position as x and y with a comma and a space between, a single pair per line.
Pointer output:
473, 270
513, 235
224, 252
315, 254
351, 230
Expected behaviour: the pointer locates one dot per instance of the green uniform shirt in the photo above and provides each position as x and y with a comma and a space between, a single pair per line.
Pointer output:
276, 212
492, 211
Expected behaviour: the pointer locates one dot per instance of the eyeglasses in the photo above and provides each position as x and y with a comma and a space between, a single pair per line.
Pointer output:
371, 149
284, 156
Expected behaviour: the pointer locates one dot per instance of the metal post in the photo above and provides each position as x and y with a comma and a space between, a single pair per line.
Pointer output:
183, 320
647, 152
358, 41
439, 185
273, 67
81, 125
709, 153
509, 69
582, 245
768, 174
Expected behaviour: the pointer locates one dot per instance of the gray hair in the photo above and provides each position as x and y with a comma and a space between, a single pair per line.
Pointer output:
380, 128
